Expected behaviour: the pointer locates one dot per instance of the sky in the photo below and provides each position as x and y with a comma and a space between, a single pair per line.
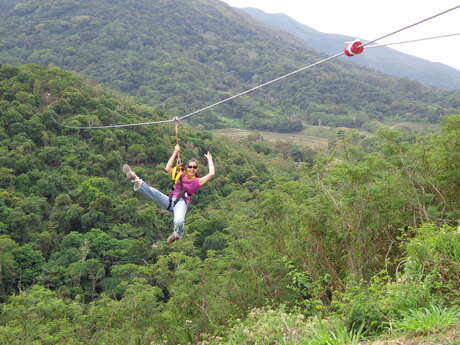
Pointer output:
367, 20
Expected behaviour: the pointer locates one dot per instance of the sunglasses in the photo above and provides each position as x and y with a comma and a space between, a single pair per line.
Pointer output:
192, 166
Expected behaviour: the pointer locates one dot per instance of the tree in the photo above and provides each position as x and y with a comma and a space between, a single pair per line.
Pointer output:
7, 265
28, 265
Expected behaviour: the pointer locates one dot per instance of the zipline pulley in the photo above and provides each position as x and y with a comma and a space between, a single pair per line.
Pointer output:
353, 48
178, 168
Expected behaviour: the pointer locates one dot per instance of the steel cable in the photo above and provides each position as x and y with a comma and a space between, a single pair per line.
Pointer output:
367, 44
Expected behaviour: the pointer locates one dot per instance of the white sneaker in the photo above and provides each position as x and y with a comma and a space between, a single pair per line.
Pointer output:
131, 175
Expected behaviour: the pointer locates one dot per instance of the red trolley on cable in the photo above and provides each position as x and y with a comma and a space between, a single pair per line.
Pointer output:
353, 48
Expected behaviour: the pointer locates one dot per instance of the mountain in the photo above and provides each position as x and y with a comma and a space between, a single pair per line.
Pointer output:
181, 55
383, 59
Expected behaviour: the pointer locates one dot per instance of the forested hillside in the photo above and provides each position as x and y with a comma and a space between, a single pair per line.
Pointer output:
385, 60
181, 55
355, 242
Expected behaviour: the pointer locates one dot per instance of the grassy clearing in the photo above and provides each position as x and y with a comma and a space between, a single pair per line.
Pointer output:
301, 138
317, 137
428, 320
415, 128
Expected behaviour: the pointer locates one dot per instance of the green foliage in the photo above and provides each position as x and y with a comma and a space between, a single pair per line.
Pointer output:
313, 296
212, 52
375, 306
265, 232
39, 317
434, 255
267, 327
430, 277
433, 243
7, 265
335, 333
270, 327
427, 320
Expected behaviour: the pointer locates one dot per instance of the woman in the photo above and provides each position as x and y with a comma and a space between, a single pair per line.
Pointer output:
180, 197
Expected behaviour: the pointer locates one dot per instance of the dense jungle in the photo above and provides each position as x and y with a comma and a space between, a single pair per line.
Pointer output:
356, 242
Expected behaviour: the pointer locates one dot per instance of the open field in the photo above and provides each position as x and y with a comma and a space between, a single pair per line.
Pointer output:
295, 138
317, 137
312, 136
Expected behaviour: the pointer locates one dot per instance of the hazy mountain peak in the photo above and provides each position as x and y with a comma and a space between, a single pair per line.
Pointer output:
385, 60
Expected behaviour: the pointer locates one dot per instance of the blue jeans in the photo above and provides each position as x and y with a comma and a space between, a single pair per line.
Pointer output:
162, 200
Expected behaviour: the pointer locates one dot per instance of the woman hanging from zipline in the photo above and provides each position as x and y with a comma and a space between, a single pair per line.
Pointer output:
186, 184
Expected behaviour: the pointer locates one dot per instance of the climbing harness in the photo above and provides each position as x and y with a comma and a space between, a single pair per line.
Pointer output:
177, 173
173, 202
351, 49
177, 176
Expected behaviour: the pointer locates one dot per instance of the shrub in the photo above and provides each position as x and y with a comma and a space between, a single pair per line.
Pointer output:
433, 256
334, 333
428, 320
267, 326
382, 300
276, 327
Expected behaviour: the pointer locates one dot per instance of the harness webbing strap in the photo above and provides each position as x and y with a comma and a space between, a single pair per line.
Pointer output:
182, 195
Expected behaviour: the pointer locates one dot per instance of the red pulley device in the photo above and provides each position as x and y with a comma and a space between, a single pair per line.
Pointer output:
353, 48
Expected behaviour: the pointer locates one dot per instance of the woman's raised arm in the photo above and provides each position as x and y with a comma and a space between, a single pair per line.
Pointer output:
212, 171
170, 163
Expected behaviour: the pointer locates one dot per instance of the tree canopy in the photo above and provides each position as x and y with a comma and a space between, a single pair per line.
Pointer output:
83, 259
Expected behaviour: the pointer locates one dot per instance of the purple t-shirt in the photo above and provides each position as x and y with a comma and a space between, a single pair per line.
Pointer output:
191, 185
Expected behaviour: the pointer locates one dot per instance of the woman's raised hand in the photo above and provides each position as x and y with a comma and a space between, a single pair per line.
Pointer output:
212, 171
177, 148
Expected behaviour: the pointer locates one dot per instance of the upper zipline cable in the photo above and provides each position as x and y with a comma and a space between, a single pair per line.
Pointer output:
367, 44
261, 85
411, 25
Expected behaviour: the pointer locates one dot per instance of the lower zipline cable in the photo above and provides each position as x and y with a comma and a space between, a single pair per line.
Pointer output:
207, 107
361, 45
411, 41
114, 126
